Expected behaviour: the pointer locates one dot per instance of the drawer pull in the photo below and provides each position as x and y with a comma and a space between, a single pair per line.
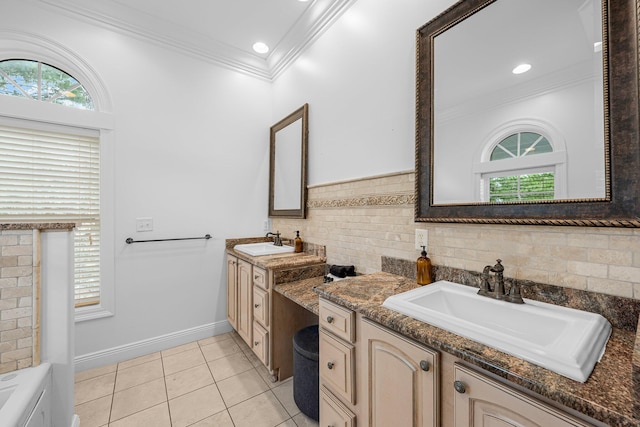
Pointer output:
424, 365
256, 305
330, 319
256, 277
256, 343
459, 386
330, 365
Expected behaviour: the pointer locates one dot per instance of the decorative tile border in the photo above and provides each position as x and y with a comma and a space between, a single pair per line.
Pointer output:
378, 200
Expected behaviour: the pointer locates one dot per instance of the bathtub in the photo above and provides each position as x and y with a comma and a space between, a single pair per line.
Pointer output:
24, 397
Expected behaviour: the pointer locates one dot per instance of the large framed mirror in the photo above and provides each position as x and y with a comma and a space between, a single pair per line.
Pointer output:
557, 144
288, 165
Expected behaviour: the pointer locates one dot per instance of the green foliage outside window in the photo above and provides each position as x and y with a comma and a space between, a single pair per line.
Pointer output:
42, 82
534, 186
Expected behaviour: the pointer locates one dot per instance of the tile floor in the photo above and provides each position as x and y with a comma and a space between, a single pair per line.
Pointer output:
217, 382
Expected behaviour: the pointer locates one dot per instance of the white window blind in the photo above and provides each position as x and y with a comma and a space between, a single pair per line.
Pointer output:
52, 176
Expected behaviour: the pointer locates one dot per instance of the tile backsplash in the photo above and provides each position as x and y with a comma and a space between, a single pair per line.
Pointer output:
362, 220
16, 299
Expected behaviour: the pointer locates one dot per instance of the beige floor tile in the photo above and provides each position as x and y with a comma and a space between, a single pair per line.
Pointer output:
139, 360
179, 349
221, 419
220, 349
284, 393
229, 366
94, 388
95, 372
302, 420
95, 413
195, 406
215, 338
183, 360
138, 398
288, 423
242, 387
263, 410
156, 416
139, 374
253, 358
188, 380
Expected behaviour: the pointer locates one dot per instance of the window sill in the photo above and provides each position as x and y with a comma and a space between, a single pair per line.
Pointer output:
91, 312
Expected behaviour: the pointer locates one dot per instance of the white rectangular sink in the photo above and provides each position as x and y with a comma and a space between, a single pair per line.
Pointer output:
564, 340
263, 248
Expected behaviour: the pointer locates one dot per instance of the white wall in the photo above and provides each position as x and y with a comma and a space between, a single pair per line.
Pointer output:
183, 131
359, 81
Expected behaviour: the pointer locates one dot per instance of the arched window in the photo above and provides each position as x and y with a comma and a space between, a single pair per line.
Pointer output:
522, 161
51, 173
535, 183
42, 82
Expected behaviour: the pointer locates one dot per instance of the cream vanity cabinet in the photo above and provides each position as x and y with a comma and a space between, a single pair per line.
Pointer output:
337, 365
402, 380
480, 401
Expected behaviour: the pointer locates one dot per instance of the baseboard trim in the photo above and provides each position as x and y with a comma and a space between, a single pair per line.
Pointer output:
151, 345
75, 422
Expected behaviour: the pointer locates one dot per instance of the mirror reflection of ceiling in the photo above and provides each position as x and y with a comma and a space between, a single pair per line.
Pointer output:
492, 42
220, 31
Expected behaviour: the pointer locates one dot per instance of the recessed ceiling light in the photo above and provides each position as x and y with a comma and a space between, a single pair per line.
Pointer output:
522, 68
260, 47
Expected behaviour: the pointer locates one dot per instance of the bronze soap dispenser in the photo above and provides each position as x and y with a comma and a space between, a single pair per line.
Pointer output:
424, 269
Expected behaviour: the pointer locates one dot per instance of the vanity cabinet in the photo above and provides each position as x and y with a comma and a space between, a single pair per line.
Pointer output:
402, 379
480, 401
337, 365
232, 291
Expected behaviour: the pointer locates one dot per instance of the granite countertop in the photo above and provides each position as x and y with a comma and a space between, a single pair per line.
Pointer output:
38, 226
608, 395
276, 261
301, 292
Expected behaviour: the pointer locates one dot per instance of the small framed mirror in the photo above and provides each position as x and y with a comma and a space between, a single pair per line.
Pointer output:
288, 165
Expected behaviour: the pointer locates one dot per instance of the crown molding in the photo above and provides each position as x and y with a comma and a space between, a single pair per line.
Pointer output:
316, 19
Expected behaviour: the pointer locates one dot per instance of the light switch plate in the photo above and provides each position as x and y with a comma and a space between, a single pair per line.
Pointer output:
144, 224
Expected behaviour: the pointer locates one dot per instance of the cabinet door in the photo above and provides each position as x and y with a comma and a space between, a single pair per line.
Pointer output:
401, 382
245, 300
232, 291
333, 413
261, 343
482, 401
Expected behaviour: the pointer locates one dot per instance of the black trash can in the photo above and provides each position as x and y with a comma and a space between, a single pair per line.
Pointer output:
306, 350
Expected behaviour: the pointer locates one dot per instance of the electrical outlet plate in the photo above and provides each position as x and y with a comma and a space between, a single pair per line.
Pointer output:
144, 224
422, 239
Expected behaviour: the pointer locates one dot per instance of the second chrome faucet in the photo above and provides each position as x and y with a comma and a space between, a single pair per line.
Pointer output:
498, 291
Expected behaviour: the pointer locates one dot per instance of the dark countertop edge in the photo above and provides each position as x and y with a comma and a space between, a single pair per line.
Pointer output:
472, 352
38, 226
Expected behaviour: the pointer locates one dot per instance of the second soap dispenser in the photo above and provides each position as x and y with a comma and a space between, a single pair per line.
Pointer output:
297, 243
424, 269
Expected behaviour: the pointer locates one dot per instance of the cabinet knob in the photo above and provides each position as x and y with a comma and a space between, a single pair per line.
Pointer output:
256, 277
460, 387
330, 319
256, 342
424, 365
256, 305
330, 365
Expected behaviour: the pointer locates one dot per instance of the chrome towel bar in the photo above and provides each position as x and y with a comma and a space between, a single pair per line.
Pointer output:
130, 240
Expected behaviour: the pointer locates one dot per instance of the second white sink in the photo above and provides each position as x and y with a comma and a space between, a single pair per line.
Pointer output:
561, 339
263, 248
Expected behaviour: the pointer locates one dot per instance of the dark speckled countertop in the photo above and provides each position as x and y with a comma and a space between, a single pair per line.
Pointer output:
608, 395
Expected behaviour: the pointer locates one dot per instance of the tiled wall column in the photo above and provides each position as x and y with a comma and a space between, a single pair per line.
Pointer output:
16, 299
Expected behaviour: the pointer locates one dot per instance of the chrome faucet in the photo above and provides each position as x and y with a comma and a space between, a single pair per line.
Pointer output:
498, 291
276, 240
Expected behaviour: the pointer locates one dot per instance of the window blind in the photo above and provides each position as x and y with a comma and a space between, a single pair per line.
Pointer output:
52, 176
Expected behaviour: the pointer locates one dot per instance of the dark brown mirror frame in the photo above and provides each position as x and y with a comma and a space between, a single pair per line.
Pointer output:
300, 113
621, 206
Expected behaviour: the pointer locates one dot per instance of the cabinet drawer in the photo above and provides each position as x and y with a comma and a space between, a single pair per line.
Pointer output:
337, 366
261, 306
261, 343
337, 320
333, 413
260, 278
